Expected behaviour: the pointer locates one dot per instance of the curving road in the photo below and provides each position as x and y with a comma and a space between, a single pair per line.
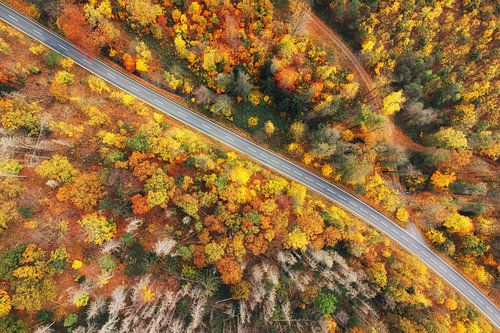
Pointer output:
265, 157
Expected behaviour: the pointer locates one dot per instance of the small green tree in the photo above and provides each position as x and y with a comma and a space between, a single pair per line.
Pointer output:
325, 302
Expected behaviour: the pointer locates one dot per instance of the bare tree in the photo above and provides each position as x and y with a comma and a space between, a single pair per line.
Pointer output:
164, 247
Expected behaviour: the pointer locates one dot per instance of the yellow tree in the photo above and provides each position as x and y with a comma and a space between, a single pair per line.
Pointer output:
5, 303
296, 240
240, 175
143, 11
57, 168
392, 103
297, 193
442, 180
298, 130
457, 223
269, 128
98, 228
17, 113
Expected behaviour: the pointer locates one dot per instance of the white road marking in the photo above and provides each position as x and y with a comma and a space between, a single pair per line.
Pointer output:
229, 138
14, 18
134, 88
206, 126
435, 262
111, 75
355, 205
158, 101
453, 278
480, 301
62, 47
37, 32
262, 155
309, 179
286, 167
86, 61
252, 150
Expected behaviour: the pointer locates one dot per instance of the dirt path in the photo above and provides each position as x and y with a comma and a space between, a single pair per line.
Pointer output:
320, 31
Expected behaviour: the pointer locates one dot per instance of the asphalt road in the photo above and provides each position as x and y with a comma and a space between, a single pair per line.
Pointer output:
265, 157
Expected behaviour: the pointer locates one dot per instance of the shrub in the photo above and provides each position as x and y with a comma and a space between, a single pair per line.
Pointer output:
81, 299
107, 263
64, 77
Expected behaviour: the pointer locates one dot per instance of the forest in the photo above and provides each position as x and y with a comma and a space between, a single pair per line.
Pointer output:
169, 223
116, 217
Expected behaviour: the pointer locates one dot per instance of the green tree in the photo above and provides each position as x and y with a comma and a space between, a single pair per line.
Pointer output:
473, 245
159, 188
13, 324
325, 303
